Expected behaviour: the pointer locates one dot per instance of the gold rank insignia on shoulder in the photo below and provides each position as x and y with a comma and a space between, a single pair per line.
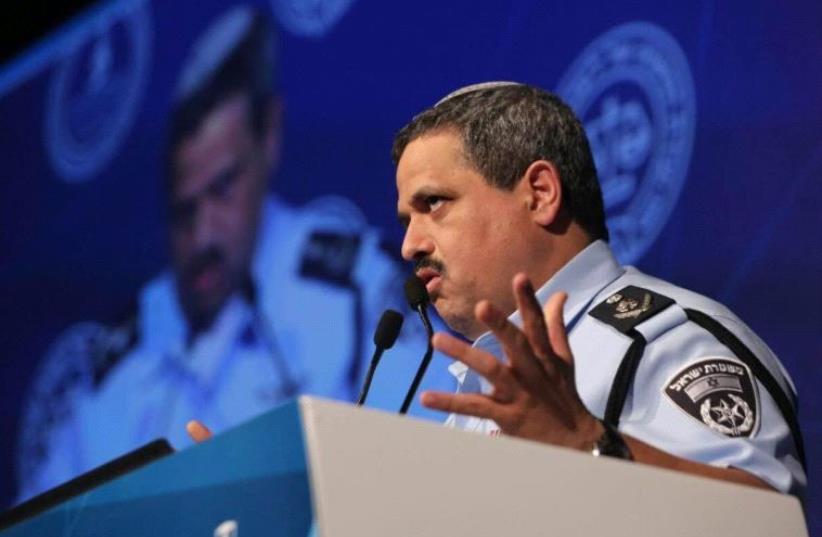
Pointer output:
629, 307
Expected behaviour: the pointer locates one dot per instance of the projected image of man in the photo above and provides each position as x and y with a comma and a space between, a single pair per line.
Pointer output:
232, 328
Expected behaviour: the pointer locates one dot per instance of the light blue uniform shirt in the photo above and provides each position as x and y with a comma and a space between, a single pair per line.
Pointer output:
674, 343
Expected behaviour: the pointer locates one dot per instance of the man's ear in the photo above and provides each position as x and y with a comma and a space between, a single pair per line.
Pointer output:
544, 190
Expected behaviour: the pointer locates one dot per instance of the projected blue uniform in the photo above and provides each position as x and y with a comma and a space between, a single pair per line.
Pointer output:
691, 395
322, 282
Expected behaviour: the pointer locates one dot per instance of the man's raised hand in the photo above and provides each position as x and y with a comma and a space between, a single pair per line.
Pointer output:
534, 394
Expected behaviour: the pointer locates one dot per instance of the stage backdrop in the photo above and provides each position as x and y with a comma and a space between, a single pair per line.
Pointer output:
704, 118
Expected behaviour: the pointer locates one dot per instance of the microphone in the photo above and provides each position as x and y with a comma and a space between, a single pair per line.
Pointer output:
388, 329
417, 297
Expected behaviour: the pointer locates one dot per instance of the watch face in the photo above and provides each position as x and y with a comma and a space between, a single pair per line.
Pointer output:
611, 444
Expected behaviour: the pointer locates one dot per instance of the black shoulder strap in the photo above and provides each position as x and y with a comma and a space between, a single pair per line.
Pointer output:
624, 310
631, 306
624, 378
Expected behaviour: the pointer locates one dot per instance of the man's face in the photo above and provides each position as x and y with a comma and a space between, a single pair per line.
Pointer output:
216, 194
466, 237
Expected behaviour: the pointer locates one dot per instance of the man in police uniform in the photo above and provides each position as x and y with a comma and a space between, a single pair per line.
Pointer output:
497, 189
264, 301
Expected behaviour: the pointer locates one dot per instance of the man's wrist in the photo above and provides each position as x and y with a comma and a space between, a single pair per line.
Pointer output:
586, 435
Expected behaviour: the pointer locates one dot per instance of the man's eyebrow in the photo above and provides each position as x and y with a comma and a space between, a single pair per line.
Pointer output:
427, 191
422, 193
224, 175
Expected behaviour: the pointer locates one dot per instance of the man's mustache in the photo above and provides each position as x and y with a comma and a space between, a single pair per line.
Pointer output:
428, 262
204, 260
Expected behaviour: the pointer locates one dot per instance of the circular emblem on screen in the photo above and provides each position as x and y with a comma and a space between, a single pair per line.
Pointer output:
66, 370
94, 91
633, 91
310, 18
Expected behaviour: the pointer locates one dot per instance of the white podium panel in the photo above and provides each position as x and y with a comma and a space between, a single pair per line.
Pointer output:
376, 475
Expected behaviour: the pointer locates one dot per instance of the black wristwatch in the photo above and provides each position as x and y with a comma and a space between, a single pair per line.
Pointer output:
611, 444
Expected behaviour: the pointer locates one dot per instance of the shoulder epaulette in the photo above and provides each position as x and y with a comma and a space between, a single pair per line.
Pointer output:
330, 257
630, 307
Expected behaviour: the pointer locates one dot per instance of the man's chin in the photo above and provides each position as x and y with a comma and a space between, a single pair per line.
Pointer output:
461, 322
201, 311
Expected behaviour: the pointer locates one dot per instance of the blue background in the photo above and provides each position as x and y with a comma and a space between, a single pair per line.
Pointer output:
746, 228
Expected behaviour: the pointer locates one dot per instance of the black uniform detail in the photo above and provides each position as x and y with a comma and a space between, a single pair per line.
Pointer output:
330, 257
629, 307
624, 378
719, 393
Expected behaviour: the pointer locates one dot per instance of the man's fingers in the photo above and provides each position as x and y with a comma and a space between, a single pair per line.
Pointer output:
556, 327
466, 404
514, 343
484, 363
197, 431
533, 322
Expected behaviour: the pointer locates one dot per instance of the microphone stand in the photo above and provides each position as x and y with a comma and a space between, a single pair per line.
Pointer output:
388, 330
429, 352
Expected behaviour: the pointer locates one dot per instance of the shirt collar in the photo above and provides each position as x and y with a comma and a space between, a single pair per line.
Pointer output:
205, 356
582, 278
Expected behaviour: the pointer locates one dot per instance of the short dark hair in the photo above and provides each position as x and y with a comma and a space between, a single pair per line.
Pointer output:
248, 66
504, 129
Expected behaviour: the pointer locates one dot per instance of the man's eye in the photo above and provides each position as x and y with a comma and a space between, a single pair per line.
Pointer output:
434, 202
221, 188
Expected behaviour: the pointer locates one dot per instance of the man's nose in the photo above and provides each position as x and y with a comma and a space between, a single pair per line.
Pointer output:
416, 243
205, 225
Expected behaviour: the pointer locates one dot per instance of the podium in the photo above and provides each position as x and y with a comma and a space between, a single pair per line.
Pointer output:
315, 467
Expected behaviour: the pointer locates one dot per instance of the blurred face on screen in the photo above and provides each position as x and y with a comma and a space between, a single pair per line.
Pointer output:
220, 177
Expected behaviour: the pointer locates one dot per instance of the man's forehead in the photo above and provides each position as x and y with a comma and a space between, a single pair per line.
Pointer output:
431, 151
424, 166
200, 162
434, 165
218, 142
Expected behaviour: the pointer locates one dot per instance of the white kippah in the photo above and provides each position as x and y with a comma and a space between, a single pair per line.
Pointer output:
476, 87
212, 48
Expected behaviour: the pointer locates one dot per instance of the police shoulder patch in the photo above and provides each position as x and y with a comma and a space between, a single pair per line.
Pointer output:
629, 307
330, 257
718, 392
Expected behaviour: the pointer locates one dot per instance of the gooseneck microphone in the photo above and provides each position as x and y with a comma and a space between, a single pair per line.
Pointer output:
388, 329
418, 299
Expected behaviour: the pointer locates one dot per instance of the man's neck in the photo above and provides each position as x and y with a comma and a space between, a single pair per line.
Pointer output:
561, 250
